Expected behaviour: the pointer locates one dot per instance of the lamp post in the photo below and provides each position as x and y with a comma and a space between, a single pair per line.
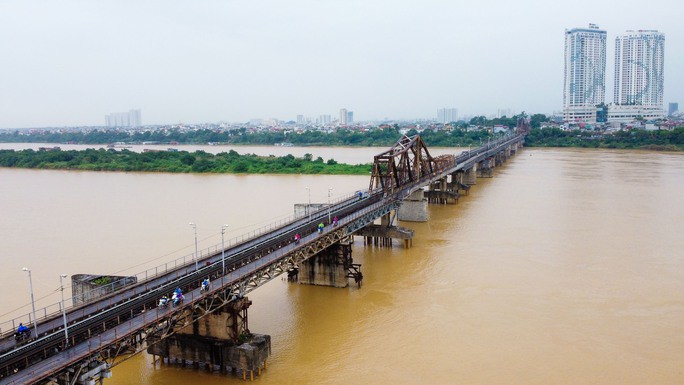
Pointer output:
194, 227
329, 190
61, 288
308, 207
33, 303
223, 250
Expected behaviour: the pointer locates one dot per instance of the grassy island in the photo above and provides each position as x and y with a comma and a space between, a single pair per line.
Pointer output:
175, 162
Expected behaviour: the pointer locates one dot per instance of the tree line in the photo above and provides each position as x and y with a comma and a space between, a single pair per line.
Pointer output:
671, 140
175, 162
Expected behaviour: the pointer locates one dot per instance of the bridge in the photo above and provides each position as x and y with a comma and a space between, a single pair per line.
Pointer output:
211, 327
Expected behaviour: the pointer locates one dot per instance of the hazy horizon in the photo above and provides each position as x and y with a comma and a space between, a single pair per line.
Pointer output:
70, 63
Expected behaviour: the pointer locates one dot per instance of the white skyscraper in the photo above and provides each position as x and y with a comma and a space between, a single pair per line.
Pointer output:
638, 91
131, 118
447, 115
343, 116
585, 73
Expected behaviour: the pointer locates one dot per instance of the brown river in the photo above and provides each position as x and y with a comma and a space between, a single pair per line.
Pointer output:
566, 267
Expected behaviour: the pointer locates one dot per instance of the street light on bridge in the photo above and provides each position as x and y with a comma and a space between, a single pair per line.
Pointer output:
329, 190
61, 288
223, 249
194, 227
308, 207
33, 302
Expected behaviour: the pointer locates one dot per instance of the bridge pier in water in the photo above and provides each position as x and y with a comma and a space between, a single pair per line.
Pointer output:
217, 341
447, 189
333, 266
414, 207
470, 176
385, 233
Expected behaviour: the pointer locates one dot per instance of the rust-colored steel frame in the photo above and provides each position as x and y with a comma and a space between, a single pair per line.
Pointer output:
406, 162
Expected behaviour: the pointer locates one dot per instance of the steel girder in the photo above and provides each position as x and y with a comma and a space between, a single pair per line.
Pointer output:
407, 161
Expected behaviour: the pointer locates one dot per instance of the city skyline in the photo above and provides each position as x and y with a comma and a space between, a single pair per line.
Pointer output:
71, 63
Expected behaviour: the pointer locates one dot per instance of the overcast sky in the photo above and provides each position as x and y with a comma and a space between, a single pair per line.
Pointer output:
68, 62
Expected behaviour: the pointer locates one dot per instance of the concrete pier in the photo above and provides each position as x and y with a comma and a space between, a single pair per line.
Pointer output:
470, 176
383, 236
485, 169
217, 341
89, 287
414, 207
331, 267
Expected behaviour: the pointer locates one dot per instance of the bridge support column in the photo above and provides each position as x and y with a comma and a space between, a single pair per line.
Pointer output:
484, 168
470, 176
331, 267
443, 191
414, 208
217, 341
458, 180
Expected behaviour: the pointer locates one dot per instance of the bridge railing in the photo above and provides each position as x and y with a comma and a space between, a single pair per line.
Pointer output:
54, 310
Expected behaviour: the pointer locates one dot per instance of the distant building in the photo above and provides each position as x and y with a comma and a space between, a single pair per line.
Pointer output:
672, 109
447, 115
301, 120
346, 117
638, 90
343, 116
501, 112
324, 119
584, 84
131, 118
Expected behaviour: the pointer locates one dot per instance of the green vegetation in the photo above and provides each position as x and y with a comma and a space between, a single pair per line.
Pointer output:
634, 139
379, 136
102, 281
175, 161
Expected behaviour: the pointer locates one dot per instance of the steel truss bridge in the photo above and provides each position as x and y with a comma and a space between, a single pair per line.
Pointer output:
108, 330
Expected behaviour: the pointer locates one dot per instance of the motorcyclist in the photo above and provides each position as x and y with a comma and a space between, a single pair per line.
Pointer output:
163, 301
205, 284
22, 329
335, 220
320, 228
297, 238
177, 298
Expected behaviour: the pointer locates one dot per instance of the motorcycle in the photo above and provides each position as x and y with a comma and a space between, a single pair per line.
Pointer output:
177, 299
163, 302
22, 335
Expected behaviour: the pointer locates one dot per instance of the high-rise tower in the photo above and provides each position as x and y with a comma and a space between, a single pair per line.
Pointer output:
585, 73
343, 116
639, 57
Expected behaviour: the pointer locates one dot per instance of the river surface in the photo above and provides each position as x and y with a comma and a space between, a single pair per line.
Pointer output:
566, 267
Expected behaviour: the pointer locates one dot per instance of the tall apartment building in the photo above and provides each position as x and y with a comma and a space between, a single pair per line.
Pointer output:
638, 90
447, 115
672, 108
131, 118
346, 117
343, 116
584, 86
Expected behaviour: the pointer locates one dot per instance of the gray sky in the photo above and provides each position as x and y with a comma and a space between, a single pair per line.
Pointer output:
70, 62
